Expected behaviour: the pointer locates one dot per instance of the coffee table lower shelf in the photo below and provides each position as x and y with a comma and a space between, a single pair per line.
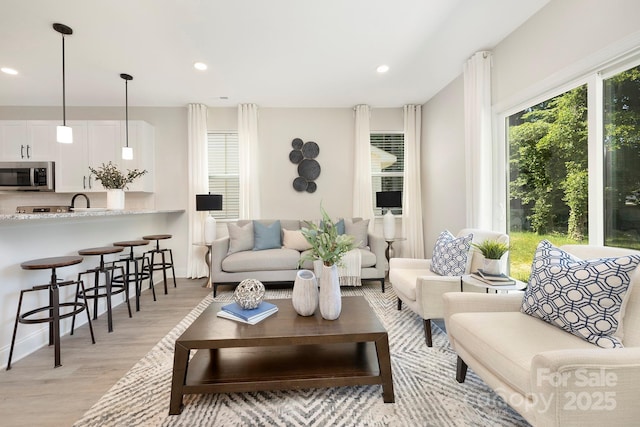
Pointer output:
246, 369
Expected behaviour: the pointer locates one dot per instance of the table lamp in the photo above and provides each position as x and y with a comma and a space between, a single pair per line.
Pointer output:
209, 202
389, 199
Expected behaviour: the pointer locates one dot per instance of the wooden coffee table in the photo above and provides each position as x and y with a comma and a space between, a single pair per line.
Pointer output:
284, 351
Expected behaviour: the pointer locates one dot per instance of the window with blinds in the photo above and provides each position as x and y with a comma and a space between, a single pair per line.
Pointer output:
387, 165
224, 176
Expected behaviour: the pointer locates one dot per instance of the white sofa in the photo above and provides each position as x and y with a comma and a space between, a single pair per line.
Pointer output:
421, 289
551, 377
280, 265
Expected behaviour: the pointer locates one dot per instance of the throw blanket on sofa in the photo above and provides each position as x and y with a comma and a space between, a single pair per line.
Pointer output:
348, 272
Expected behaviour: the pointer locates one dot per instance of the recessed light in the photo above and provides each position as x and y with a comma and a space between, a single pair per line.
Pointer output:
382, 68
8, 70
224, 97
200, 66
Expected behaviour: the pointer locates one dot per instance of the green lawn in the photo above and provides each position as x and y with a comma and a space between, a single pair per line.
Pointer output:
523, 246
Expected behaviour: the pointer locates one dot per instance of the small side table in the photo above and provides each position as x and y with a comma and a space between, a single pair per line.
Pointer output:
470, 280
390, 246
207, 259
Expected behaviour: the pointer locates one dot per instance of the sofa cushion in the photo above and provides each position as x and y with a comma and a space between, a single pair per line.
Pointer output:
240, 237
496, 339
266, 236
359, 229
294, 239
585, 298
450, 254
264, 260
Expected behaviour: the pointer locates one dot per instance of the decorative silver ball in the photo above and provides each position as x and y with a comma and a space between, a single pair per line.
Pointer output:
249, 294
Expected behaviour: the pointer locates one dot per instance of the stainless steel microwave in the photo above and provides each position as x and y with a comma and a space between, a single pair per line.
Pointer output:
27, 176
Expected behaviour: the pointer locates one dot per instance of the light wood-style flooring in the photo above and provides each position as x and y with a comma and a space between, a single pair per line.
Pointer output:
33, 393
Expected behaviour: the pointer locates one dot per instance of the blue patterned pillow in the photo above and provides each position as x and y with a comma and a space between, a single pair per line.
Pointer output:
585, 298
450, 254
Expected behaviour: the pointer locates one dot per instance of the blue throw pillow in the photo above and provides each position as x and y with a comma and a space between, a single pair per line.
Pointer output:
266, 236
585, 298
451, 255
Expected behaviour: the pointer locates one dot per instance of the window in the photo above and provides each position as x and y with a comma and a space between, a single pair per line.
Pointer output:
387, 165
224, 177
548, 176
621, 138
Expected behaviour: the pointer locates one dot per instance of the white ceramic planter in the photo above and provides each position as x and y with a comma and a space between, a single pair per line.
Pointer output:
305, 293
491, 266
115, 199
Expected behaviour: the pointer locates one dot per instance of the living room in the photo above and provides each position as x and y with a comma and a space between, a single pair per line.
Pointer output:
562, 42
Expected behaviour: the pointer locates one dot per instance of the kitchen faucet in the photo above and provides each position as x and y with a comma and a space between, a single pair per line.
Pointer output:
73, 200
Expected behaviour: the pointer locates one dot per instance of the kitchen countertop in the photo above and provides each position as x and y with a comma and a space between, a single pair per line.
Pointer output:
67, 215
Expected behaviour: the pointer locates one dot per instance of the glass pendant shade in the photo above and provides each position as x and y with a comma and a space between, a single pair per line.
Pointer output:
64, 134
127, 153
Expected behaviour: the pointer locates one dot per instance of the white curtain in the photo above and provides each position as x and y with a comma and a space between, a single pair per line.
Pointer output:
198, 184
478, 144
362, 187
412, 194
248, 153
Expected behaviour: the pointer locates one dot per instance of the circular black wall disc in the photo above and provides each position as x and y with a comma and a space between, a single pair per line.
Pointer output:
297, 143
295, 156
311, 187
309, 169
310, 150
300, 184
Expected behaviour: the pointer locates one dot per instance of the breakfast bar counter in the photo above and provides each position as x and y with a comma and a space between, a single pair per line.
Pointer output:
81, 214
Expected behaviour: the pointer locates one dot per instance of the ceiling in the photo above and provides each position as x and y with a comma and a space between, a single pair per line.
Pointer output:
275, 53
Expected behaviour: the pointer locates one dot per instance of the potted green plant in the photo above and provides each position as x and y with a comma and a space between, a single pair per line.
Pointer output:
329, 247
492, 250
115, 182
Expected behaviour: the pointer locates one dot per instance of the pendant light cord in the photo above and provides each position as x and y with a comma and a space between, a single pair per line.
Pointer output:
126, 109
64, 108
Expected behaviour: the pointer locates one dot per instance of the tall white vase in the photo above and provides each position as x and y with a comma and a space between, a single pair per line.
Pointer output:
115, 199
305, 293
330, 297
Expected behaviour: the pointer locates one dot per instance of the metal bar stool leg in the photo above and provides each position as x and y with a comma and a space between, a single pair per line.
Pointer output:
164, 272
15, 330
173, 270
86, 306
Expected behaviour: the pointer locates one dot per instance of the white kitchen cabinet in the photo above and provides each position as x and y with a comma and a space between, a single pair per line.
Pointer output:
13, 140
141, 139
26, 140
97, 145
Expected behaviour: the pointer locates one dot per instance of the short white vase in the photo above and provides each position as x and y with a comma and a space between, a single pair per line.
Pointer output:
115, 199
330, 297
305, 293
492, 266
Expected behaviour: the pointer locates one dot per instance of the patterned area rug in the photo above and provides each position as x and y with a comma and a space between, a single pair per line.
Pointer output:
426, 392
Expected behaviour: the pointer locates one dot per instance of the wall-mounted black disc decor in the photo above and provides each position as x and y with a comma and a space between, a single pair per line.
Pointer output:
303, 155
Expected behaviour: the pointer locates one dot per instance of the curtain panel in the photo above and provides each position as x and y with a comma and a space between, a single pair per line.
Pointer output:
362, 187
248, 150
478, 144
412, 193
198, 184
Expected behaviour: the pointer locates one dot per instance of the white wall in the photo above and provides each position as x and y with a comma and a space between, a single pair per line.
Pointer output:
559, 42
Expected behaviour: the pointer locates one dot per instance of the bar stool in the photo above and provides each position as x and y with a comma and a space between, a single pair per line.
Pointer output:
139, 273
164, 265
54, 303
107, 290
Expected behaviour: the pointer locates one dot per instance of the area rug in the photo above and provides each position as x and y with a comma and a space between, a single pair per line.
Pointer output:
426, 392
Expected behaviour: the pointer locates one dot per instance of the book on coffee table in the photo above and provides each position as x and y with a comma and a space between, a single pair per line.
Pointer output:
253, 321
252, 314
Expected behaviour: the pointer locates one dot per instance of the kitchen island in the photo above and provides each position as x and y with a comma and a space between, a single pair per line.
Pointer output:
24, 237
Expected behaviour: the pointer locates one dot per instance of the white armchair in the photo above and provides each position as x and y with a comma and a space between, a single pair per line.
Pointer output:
421, 289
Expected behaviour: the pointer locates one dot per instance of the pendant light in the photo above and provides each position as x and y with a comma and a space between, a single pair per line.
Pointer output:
64, 133
127, 152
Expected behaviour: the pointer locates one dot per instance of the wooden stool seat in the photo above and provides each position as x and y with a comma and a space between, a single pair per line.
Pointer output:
157, 237
107, 290
131, 243
53, 262
54, 314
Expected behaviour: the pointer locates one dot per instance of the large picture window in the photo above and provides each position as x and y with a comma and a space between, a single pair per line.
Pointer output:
387, 165
621, 137
224, 167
